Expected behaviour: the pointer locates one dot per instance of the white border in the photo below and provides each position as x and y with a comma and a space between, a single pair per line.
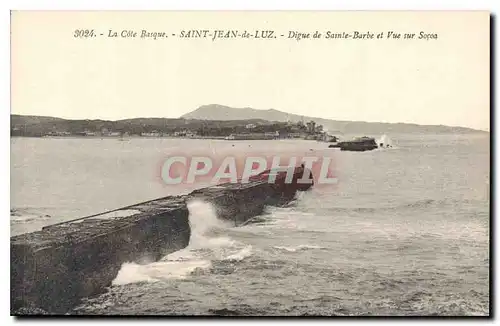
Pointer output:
6, 5
253, 5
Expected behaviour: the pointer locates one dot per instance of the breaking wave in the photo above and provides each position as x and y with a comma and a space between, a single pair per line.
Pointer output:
298, 248
411, 205
206, 245
384, 142
24, 215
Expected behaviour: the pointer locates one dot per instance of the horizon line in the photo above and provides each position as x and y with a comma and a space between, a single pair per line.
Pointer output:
181, 118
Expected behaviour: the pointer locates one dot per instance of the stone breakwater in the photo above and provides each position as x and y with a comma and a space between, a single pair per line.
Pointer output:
54, 268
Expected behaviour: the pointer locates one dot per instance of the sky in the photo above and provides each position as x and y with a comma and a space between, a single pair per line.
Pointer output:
440, 81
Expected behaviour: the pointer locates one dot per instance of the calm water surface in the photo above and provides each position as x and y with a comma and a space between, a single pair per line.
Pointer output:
404, 232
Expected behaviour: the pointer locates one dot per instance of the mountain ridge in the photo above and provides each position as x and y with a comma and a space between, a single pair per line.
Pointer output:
223, 112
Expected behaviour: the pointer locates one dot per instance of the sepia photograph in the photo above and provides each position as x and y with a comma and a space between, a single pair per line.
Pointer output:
259, 163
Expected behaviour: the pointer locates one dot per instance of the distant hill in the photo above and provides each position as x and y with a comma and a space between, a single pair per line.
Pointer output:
32, 119
37, 126
221, 112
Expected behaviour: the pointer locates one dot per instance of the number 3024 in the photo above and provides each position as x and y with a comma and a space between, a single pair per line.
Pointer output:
84, 33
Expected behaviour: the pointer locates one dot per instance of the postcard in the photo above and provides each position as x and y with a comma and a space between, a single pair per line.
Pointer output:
262, 163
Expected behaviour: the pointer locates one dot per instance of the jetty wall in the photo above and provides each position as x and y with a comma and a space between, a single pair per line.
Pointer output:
54, 268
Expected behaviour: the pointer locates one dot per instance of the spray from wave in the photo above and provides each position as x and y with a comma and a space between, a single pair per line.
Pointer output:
384, 142
297, 248
206, 245
25, 215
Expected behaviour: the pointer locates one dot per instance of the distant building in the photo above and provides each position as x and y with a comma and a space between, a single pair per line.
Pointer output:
85, 133
250, 126
295, 135
154, 133
59, 133
272, 135
311, 127
184, 133
253, 136
109, 133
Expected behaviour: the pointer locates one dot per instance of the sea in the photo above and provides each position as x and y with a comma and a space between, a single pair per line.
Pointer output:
404, 232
